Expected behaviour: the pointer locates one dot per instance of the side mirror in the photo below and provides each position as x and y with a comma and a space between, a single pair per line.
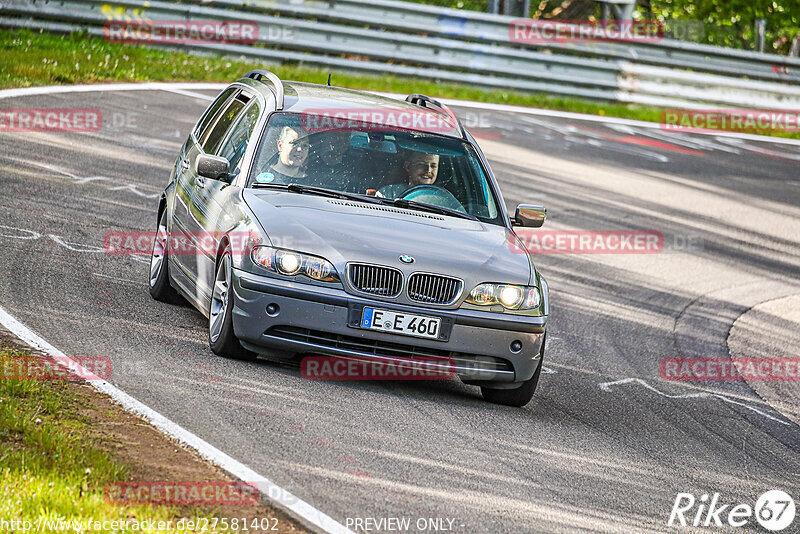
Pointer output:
213, 167
529, 215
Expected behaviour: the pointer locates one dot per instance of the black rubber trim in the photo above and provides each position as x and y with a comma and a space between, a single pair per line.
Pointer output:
258, 285
535, 325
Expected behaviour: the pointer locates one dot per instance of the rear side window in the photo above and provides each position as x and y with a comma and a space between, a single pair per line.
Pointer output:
217, 132
211, 112
234, 147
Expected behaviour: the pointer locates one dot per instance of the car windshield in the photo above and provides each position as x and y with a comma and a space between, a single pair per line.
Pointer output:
379, 161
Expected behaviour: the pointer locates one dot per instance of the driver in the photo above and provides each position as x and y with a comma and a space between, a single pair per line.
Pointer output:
420, 168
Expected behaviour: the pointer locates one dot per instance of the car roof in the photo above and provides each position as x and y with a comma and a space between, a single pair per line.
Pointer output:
304, 97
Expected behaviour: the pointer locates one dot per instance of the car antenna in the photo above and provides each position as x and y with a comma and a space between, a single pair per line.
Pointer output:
329, 79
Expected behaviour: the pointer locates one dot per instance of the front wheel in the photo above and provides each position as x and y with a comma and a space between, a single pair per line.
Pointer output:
520, 396
221, 338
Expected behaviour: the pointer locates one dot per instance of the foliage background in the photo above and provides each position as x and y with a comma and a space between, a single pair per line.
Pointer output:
727, 23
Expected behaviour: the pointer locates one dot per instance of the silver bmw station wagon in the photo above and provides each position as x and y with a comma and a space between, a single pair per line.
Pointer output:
306, 220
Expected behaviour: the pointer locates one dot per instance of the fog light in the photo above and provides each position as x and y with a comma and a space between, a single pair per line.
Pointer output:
273, 310
516, 346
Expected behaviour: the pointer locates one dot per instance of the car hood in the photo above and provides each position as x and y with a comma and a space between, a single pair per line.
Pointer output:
344, 231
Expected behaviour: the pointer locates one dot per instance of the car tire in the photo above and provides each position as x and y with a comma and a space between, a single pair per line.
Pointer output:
520, 396
221, 338
160, 288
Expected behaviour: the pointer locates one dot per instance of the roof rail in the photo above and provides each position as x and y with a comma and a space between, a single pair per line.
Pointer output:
277, 84
435, 105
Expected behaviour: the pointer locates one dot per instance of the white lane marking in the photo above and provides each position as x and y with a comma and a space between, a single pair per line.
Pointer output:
189, 93
118, 279
675, 139
172, 86
69, 245
276, 494
75, 247
606, 386
83, 180
132, 189
147, 86
31, 233
548, 371
594, 118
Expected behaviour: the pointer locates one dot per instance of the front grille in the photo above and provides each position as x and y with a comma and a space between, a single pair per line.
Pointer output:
384, 348
433, 288
375, 280
356, 344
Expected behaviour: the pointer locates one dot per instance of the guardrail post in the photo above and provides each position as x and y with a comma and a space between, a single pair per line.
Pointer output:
619, 9
761, 34
794, 51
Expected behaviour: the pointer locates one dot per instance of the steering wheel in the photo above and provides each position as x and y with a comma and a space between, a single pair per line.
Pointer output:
433, 194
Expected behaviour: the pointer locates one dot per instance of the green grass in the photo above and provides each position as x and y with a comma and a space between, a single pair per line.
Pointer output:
30, 59
50, 466
40, 58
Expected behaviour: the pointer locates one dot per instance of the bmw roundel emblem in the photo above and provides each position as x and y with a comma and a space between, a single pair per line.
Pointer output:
405, 258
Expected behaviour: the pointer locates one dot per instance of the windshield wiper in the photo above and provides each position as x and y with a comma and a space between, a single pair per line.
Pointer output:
399, 202
320, 191
257, 185
323, 192
422, 206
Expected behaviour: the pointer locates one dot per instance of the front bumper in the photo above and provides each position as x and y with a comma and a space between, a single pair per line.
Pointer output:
316, 320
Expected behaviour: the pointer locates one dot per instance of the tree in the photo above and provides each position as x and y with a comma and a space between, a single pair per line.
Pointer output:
727, 22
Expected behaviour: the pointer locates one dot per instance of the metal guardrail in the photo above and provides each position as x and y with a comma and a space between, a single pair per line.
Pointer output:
483, 27
385, 36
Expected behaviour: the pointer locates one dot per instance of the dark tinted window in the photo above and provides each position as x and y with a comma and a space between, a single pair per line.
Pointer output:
211, 112
226, 118
234, 147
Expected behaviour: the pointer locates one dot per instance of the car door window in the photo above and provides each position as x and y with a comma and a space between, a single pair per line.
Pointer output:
234, 146
220, 127
202, 127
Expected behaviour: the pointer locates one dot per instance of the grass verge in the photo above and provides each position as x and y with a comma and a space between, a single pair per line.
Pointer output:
33, 58
62, 443
40, 58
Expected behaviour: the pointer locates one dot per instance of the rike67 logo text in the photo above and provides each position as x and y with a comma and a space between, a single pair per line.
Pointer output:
774, 510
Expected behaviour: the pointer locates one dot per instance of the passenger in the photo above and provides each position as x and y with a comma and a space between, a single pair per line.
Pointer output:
290, 164
420, 168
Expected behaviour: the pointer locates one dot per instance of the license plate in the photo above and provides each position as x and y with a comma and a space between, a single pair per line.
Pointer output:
406, 324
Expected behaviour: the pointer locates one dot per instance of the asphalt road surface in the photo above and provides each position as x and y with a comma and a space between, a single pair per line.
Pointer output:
605, 446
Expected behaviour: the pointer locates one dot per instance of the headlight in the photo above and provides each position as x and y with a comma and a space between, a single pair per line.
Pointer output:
290, 263
509, 296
